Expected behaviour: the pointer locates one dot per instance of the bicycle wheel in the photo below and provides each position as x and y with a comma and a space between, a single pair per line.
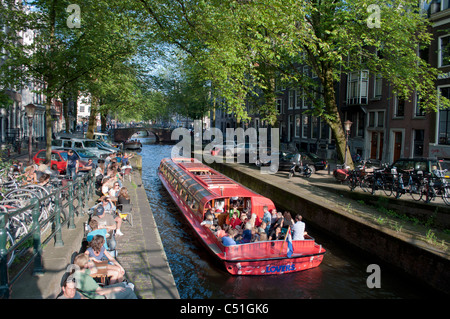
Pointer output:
446, 195
352, 182
307, 173
25, 196
416, 191
9, 243
375, 185
365, 183
388, 188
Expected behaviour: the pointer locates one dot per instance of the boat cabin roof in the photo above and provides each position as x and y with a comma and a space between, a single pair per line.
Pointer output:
215, 183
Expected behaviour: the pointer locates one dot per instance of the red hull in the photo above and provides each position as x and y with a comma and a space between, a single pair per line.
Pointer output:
258, 258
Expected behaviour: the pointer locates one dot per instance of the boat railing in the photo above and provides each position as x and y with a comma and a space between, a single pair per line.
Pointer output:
269, 248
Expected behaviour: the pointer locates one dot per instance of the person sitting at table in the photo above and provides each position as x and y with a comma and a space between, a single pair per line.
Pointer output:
106, 221
124, 197
97, 253
94, 230
91, 289
30, 174
44, 179
69, 288
114, 191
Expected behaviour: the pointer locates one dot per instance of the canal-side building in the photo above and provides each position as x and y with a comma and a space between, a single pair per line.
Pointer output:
439, 57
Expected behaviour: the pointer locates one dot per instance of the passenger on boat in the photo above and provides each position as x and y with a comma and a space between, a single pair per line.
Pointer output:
263, 228
209, 222
246, 237
235, 221
228, 239
277, 221
267, 216
220, 232
274, 216
220, 204
298, 229
234, 209
287, 222
276, 234
244, 220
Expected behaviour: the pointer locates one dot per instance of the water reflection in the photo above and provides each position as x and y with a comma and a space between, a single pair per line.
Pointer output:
342, 273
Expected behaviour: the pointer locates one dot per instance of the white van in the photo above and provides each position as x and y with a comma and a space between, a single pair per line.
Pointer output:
81, 143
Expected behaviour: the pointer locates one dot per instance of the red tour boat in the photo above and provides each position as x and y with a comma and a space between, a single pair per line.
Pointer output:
196, 187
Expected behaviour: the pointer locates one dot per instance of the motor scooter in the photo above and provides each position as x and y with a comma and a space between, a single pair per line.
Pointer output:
300, 169
341, 173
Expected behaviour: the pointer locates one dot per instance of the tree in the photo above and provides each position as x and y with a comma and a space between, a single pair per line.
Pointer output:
65, 52
242, 46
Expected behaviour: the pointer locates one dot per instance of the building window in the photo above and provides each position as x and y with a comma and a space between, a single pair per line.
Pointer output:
399, 107
444, 51
417, 109
315, 127
444, 120
305, 125
418, 142
376, 119
378, 84
357, 87
280, 106
291, 99
297, 125
360, 124
290, 127
380, 121
298, 99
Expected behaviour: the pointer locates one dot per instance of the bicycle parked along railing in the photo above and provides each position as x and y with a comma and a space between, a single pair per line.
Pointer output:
37, 214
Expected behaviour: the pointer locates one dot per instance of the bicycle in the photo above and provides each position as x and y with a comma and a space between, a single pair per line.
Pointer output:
436, 186
413, 186
381, 181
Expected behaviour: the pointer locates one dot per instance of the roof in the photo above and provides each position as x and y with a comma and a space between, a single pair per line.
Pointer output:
215, 182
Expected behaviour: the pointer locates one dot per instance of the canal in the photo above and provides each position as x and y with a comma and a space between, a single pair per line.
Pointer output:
342, 274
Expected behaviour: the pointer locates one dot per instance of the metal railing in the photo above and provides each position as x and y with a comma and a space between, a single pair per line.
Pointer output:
63, 198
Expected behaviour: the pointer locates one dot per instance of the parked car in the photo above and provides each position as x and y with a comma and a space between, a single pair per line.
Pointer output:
105, 146
422, 164
80, 143
82, 154
319, 163
286, 160
59, 157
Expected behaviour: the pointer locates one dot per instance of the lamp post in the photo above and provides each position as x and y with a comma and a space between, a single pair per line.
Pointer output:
347, 126
30, 109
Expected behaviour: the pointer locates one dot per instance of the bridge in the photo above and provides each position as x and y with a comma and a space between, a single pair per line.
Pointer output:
163, 135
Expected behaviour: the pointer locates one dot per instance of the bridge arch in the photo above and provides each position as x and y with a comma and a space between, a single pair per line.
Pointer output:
162, 135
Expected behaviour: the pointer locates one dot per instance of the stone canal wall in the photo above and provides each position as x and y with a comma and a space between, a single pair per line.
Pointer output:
319, 209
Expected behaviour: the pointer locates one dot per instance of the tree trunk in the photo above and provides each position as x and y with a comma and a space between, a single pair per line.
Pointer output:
334, 121
50, 84
92, 118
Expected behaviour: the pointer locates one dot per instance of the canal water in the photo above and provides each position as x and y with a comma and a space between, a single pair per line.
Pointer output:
342, 274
